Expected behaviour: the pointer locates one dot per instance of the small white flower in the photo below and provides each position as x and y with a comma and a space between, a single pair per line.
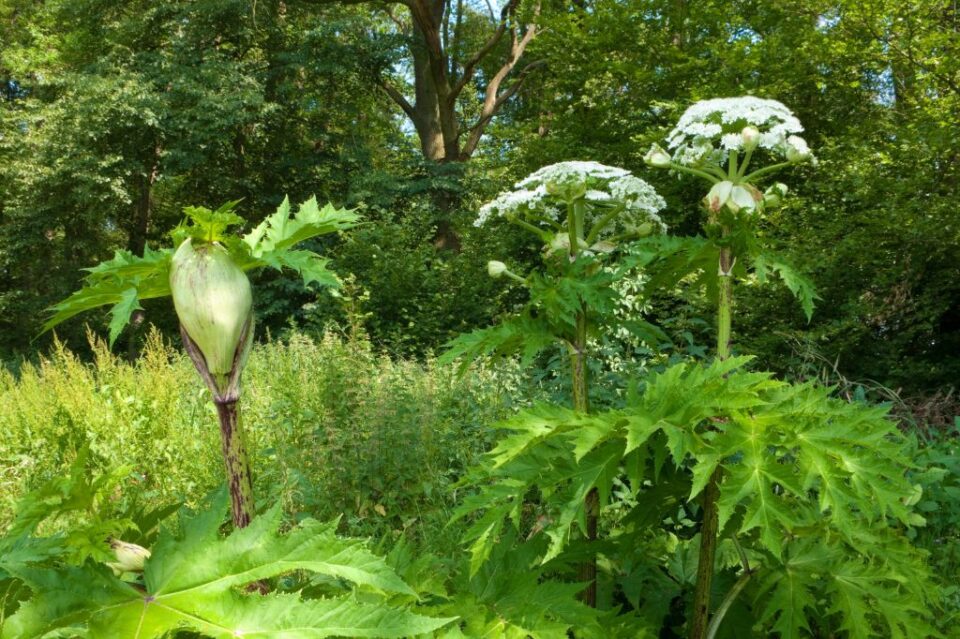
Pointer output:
495, 269
731, 141
742, 197
598, 196
719, 195
571, 173
733, 196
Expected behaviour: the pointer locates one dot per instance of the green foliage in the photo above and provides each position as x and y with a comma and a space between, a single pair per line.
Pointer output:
333, 428
937, 494
801, 287
126, 279
122, 283
207, 225
271, 242
511, 596
191, 581
556, 296
814, 487
138, 108
76, 493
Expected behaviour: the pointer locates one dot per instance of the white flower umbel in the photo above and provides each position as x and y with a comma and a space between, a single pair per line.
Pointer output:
709, 130
612, 202
717, 139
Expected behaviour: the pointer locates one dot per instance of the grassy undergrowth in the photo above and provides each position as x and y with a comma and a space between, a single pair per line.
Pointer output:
334, 428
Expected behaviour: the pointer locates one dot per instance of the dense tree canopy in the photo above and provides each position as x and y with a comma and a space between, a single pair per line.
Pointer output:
115, 115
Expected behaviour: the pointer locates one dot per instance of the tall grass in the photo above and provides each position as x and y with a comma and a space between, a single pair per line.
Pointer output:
334, 428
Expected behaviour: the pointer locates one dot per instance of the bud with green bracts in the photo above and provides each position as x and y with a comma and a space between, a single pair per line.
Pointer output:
773, 196
657, 157
797, 149
213, 300
497, 269
130, 557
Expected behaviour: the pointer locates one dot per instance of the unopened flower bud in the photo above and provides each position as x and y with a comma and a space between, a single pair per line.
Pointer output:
657, 157
773, 196
496, 269
213, 300
751, 137
644, 229
130, 557
797, 149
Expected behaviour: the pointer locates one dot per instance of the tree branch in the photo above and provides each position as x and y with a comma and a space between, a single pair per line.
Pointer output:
397, 97
518, 83
469, 68
476, 131
491, 11
493, 100
397, 21
427, 20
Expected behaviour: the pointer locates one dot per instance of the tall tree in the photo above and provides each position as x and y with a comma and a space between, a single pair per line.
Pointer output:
465, 66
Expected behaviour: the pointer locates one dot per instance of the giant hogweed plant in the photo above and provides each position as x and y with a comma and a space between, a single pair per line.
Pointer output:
774, 506
205, 274
192, 577
581, 213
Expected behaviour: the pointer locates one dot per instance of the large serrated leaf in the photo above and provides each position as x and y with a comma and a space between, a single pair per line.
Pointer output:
194, 580
801, 287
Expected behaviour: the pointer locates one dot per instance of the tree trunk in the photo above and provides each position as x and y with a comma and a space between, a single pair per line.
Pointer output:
141, 215
437, 86
137, 242
426, 116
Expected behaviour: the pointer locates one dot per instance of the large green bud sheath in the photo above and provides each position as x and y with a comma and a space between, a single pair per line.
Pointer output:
213, 301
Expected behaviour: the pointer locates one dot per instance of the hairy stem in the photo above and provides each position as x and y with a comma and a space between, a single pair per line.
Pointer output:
587, 572
239, 477
752, 177
237, 463
713, 179
711, 493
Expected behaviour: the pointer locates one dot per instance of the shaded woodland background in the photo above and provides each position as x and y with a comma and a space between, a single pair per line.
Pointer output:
116, 114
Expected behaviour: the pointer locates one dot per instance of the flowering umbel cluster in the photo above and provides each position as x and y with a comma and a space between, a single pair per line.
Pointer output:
577, 208
709, 130
717, 139
543, 196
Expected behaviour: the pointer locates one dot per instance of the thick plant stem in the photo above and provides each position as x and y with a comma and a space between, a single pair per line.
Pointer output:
588, 570
237, 463
233, 446
578, 361
727, 602
711, 493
